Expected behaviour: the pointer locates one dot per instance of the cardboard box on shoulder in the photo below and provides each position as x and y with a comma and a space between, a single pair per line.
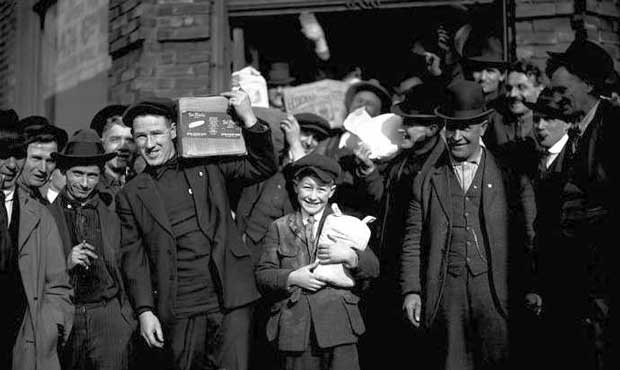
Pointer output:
206, 129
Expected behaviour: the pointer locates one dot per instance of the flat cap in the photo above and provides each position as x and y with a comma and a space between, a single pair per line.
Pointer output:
314, 123
155, 106
100, 119
324, 168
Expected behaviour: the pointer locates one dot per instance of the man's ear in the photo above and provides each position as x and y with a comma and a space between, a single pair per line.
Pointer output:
295, 183
433, 129
332, 190
483, 126
173, 130
502, 76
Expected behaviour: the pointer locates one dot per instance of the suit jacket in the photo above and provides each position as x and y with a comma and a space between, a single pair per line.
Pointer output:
110, 227
332, 312
148, 247
46, 283
508, 211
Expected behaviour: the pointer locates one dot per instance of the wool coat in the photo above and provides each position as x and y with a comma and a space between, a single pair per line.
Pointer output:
331, 313
46, 284
148, 246
508, 212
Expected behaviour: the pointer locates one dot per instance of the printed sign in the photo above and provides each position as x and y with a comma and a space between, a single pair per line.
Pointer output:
325, 98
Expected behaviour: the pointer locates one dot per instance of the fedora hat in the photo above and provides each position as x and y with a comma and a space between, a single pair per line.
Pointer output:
483, 53
587, 60
156, 106
464, 102
279, 74
420, 103
35, 127
100, 119
372, 86
84, 148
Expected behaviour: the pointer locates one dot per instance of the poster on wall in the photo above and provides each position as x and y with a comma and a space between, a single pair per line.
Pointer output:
81, 41
325, 98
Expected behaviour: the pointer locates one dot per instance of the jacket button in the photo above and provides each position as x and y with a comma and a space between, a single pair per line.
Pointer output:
36, 298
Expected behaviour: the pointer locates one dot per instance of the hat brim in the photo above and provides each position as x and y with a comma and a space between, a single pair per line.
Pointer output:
324, 176
482, 63
283, 81
398, 110
464, 115
67, 160
384, 96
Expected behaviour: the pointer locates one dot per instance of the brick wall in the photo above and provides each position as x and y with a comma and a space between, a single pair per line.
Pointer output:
550, 25
8, 24
159, 48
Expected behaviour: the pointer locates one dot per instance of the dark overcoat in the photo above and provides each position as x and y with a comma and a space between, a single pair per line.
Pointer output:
508, 212
148, 245
332, 312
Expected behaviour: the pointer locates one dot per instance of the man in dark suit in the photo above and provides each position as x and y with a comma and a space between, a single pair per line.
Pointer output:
90, 232
586, 215
467, 233
188, 274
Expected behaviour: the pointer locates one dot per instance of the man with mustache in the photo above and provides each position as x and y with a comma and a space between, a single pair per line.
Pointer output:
42, 139
116, 138
468, 227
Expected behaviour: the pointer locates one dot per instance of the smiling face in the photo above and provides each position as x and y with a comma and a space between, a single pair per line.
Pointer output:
39, 163
489, 79
313, 194
572, 89
116, 138
81, 181
10, 168
464, 139
153, 136
308, 140
521, 88
549, 130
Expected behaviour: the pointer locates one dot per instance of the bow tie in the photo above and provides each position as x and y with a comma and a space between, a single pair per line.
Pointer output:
574, 132
157, 171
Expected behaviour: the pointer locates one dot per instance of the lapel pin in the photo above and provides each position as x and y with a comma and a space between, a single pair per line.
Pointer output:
190, 191
200, 173
490, 185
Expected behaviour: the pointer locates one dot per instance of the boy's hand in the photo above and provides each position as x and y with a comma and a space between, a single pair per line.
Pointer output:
336, 253
305, 278
292, 134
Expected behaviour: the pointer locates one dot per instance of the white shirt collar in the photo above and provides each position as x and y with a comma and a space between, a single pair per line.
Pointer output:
9, 194
557, 147
317, 217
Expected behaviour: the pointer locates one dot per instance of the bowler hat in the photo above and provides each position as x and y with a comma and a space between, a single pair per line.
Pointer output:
483, 53
314, 123
587, 60
84, 148
279, 74
323, 167
464, 102
420, 103
156, 106
35, 127
372, 86
552, 105
100, 119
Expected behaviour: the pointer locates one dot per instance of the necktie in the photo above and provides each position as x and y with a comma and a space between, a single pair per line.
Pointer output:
5, 244
573, 138
310, 235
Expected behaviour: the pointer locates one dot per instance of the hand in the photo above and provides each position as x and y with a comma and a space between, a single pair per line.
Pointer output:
433, 64
292, 130
239, 100
413, 307
81, 255
310, 27
150, 329
305, 278
362, 152
336, 252
534, 303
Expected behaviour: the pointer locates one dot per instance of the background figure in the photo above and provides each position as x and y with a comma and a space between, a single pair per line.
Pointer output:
278, 78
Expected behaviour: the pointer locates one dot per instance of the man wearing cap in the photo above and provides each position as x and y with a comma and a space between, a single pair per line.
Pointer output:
314, 324
390, 190
578, 75
370, 95
37, 317
104, 322
42, 139
189, 276
116, 138
469, 226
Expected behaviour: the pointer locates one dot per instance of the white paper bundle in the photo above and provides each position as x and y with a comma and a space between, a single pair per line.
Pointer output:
379, 133
252, 82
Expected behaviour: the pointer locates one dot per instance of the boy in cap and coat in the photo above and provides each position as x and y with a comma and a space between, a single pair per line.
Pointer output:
467, 233
90, 232
315, 325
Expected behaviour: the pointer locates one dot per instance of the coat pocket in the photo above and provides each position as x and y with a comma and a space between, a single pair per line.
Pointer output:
273, 322
355, 317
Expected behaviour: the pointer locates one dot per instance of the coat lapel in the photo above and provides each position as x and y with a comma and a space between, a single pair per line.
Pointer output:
28, 218
153, 203
439, 182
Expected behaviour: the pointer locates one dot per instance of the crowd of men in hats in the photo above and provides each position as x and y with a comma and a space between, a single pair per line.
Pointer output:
491, 247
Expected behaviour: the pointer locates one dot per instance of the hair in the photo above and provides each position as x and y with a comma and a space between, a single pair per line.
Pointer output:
111, 121
528, 68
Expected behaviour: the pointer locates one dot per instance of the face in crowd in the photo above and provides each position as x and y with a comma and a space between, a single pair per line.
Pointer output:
39, 163
81, 181
572, 89
415, 133
489, 79
313, 194
117, 138
309, 140
11, 164
464, 139
549, 130
153, 136
521, 88
366, 99
276, 96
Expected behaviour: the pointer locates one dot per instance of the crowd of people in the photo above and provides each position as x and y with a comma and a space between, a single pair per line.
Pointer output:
490, 249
